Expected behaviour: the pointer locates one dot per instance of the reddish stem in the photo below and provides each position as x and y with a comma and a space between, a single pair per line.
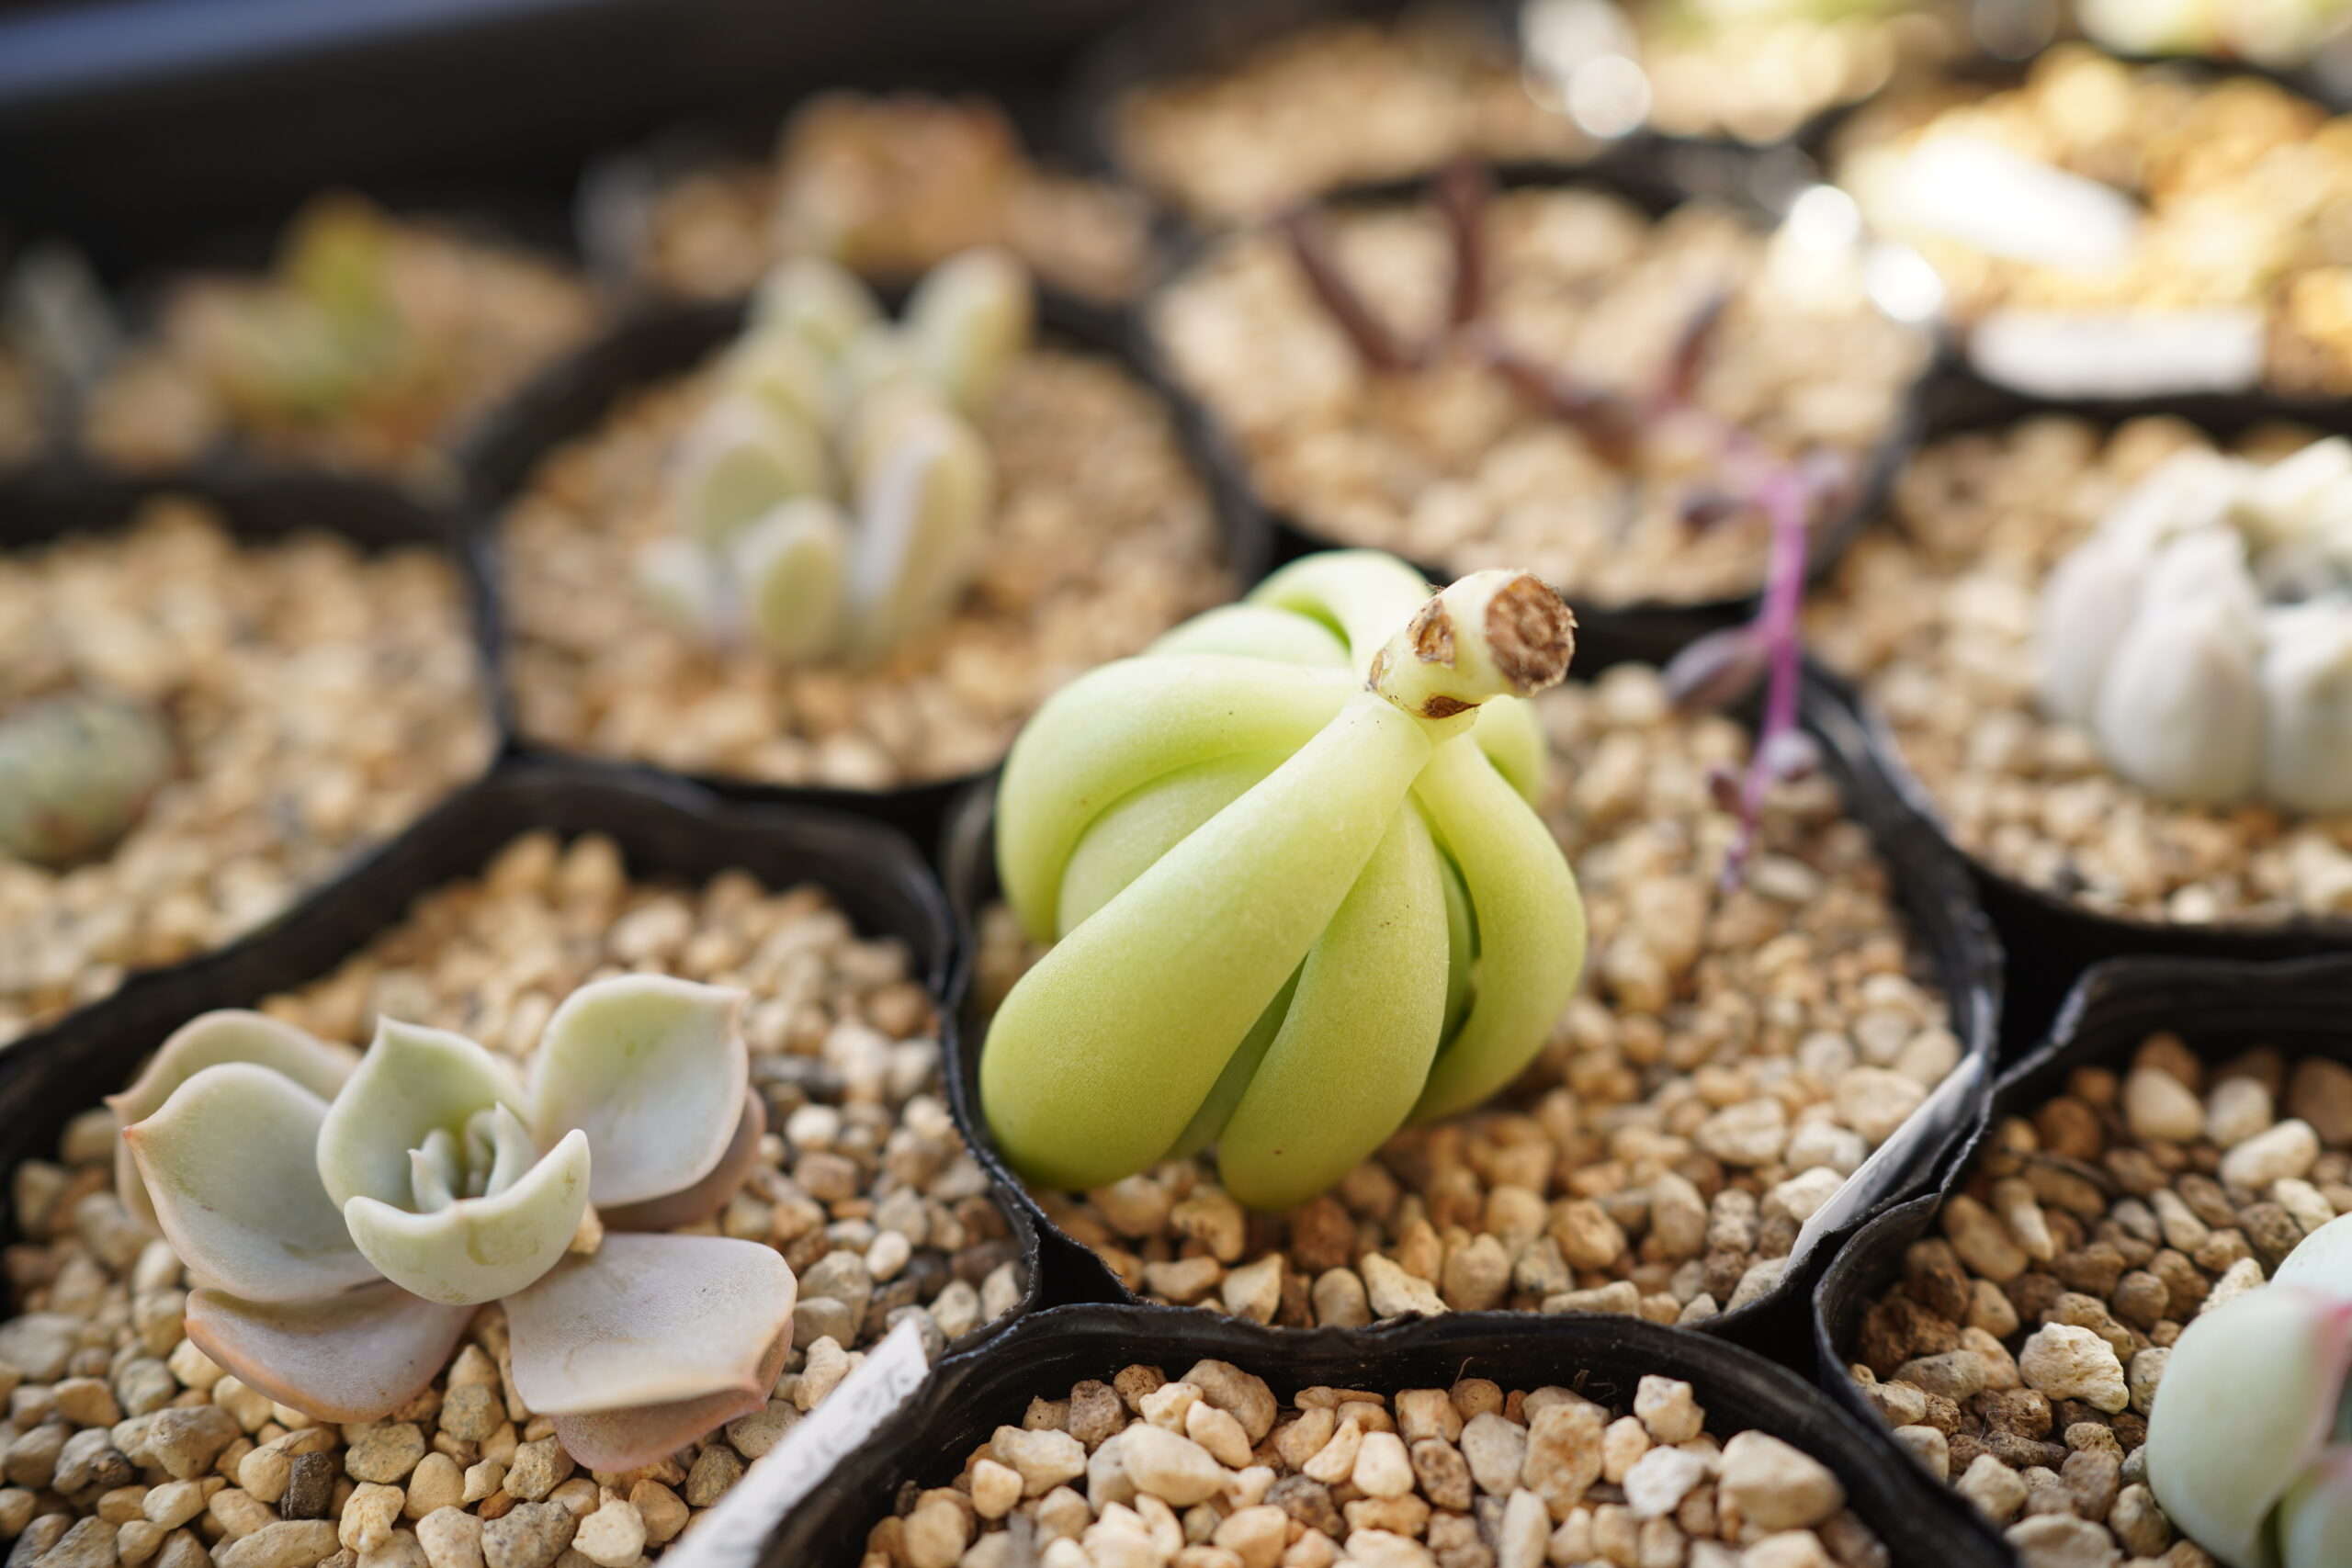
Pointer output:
1374, 344
1611, 423
1463, 194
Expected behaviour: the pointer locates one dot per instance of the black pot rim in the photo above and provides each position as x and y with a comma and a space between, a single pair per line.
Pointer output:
1657, 178
921, 1438
1940, 915
573, 396
2108, 1010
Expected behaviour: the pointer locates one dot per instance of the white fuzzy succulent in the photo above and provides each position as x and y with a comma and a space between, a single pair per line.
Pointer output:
2204, 632
832, 501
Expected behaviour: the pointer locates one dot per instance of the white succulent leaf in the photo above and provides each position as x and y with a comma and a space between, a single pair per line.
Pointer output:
2179, 709
786, 371
921, 512
2307, 709
818, 301
2299, 495
791, 569
968, 320
2086, 604
742, 458
683, 584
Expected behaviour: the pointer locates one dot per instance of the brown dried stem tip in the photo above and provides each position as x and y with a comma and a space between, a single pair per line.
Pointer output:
1493, 634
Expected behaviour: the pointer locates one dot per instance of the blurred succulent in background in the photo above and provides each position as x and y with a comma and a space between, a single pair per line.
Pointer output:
344, 1218
832, 501
1295, 889
2276, 33
2250, 1440
2204, 632
76, 770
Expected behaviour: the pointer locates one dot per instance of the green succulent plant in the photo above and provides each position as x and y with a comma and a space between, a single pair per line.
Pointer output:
833, 499
1295, 886
344, 1216
2250, 1438
76, 770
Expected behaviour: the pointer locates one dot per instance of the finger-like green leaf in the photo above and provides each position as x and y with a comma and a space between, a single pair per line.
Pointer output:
651, 1320
1256, 631
230, 1161
789, 565
2315, 1516
2248, 1399
742, 458
480, 1249
653, 1070
411, 1082
231, 1035
353, 1357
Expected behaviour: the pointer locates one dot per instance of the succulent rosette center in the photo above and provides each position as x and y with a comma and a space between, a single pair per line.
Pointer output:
344, 1219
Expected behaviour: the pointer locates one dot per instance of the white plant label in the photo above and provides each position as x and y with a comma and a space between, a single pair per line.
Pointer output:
731, 1534
2119, 354
2006, 204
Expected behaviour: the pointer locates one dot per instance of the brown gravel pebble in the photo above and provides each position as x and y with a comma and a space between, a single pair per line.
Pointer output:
319, 700
1211, 1471
1101, 538
1935, 614
1450, 466
2241, 186
1729, 1061
843, 1054
465, 320
890, 187
2020, 1354
1340, 103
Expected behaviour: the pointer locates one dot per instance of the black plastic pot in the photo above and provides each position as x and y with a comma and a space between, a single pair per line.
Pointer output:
46, 504
1928, 879
662, 341
2219, 1007
927, 1440
2059, 936
1657, 178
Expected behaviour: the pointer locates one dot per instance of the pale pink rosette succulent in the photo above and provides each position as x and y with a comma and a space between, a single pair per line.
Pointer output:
343, 1215
2250, 1442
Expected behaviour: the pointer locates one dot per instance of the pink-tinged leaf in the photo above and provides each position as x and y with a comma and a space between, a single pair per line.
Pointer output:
231, 1035
2247, 1400
229, 1163
353, 1357
653, 1070
650, 1320
704, 1198
2315, 1516
630, 1439
1717, 670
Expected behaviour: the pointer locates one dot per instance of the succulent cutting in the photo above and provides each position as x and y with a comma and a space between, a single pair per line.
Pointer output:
833, 499
344, 1218
1295, 889
2250, 1442
2204, 633
76, 770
